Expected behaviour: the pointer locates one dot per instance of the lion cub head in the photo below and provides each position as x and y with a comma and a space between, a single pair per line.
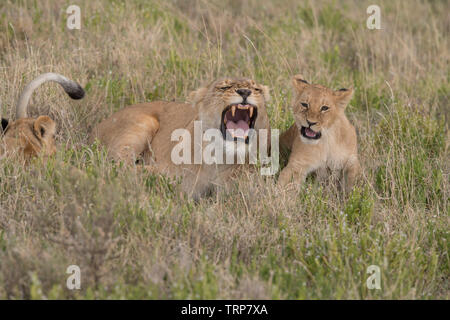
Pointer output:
233, 106
316, 108
29, 136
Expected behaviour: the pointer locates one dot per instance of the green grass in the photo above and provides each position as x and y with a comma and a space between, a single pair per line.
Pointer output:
136, 236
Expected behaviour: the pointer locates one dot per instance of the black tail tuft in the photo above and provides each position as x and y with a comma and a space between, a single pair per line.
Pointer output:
75, 92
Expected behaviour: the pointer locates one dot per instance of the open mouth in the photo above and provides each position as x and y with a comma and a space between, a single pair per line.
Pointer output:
310, 134
237, 120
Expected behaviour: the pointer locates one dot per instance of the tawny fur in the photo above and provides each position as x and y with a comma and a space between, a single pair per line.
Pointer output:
143, 131
28, 137
336, 149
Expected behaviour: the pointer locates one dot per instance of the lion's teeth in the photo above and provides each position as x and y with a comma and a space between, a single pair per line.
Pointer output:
233, 110
251, 112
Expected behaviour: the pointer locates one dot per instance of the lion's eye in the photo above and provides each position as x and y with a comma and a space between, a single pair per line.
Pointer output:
225, 87
258, 90
324, 108
305, 105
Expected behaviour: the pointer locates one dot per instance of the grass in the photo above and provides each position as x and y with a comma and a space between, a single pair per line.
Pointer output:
135, 236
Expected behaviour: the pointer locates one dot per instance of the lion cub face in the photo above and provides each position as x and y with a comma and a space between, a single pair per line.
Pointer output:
316, 108
29, 136
234, 106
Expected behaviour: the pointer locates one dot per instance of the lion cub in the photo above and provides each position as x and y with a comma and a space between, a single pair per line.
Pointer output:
322, 137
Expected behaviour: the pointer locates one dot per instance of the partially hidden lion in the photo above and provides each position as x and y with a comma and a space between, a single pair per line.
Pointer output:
29, 137
321, 137
143, 132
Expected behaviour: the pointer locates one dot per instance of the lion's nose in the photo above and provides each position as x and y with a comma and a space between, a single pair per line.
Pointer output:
244, 93
311, 123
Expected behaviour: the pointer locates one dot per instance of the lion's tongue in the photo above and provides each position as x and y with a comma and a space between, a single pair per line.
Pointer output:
239, 129
310, 133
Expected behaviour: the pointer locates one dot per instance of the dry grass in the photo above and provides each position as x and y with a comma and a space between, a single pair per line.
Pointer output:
135, 236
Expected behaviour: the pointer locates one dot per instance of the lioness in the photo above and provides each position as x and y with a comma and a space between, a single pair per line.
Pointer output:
31, 136
321, 138
143, 131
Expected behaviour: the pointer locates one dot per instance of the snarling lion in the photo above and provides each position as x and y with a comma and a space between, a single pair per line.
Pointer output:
142, 132
29, 137
321, 138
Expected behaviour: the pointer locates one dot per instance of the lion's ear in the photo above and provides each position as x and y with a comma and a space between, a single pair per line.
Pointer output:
343, 97
197, 95
44, 127
266, 93
5, 123
299, 82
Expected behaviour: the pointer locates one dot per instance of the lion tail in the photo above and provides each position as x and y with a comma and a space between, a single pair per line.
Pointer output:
73, 89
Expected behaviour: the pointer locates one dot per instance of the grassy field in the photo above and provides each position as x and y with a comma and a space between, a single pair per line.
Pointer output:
135, 236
